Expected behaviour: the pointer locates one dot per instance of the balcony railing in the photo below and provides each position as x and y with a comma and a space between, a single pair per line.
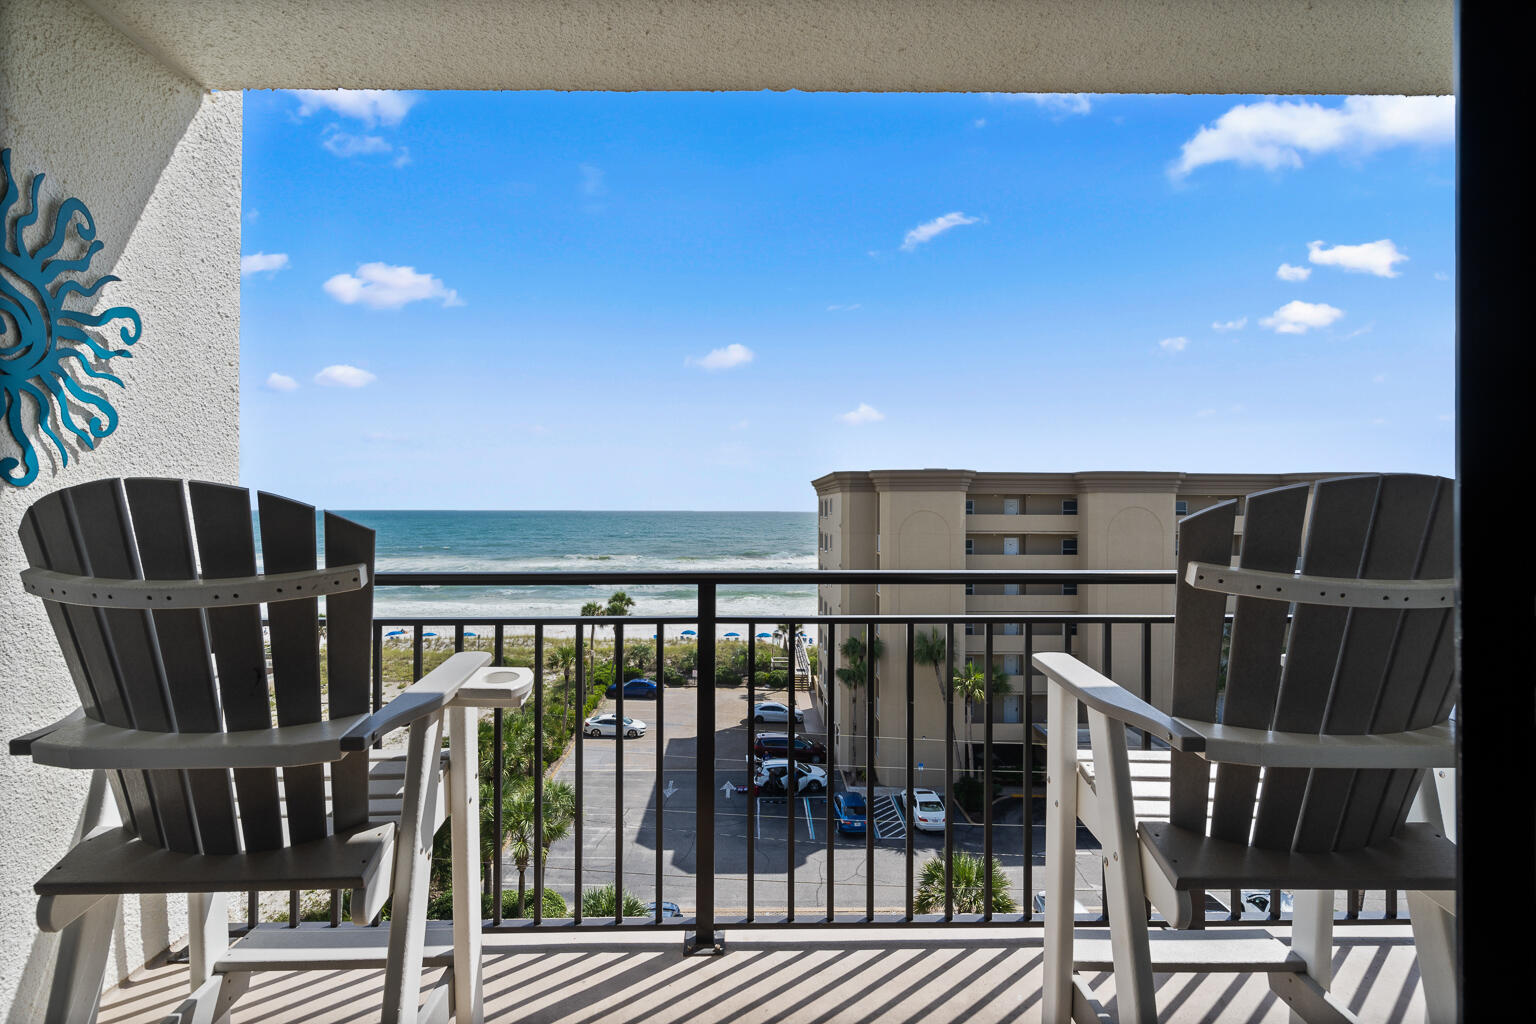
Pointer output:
707, 918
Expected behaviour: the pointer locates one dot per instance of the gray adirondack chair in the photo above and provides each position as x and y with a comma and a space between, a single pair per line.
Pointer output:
152, 590
1339, 688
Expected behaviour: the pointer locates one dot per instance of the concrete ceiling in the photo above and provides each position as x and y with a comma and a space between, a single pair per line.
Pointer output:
1172, 46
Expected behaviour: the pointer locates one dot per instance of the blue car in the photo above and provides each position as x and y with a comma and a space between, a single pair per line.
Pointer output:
644, 689
849, 808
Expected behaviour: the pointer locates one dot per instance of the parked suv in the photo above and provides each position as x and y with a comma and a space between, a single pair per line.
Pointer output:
776, 744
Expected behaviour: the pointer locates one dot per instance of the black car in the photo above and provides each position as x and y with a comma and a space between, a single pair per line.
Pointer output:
776, 744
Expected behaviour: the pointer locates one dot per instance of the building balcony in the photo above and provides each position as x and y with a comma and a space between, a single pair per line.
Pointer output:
1022, 561
1033, 603
999, 523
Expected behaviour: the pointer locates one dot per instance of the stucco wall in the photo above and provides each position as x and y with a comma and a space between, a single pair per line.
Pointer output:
157, 160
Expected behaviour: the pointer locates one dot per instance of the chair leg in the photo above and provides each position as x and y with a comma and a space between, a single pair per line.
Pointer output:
1312, 935
1124, 892
81, 964
464, 823
413, 865
1060, 852
207, 933
1434, 938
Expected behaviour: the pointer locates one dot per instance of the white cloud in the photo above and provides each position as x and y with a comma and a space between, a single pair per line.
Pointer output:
1297, 317
865, 413
1441, 275
281, 382
980, 122
263, 262
724, 358
382, 286
344, 376
1230, 325
1378, 257
845, 309
933, 228
370, 106
1174, 344
1275, 134
403, 157
1060, 103
1289, 272
344, 144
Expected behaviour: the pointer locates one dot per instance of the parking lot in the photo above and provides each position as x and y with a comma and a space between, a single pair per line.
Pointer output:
619, 818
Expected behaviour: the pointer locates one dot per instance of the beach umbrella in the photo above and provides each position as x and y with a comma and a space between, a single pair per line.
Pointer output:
689, 632
429, 634
395, 632
729, 635
471, 634
761, 636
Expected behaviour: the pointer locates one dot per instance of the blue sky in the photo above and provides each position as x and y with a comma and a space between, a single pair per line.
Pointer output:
661, 301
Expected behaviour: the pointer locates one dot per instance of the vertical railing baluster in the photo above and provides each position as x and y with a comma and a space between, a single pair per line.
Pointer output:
538, 776
704, 939
911, 805
791, 782
751, 777
252, 909
378, 667
1391, 907
416, 639
986, 783
500, 644
661, 755
581, 778
458, 637
869, 770
949, 771
498, 772
1027, 904
830, 706
293, 908
618, 775
1146, 677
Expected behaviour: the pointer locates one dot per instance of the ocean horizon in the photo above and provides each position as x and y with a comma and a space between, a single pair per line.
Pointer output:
423, 540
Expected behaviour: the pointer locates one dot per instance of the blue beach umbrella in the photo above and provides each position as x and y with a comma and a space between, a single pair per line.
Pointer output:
689, 632
471, 634
761, 636
395, 632
728, 635
429, 634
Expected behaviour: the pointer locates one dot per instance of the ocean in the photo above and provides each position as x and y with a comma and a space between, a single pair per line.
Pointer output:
438, 541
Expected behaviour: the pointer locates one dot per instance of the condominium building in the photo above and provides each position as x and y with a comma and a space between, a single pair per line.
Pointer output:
961, 519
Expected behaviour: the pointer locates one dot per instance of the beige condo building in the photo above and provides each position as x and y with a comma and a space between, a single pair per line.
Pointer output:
962, 519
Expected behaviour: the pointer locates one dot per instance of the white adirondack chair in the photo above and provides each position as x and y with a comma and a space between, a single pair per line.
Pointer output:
152, 590
1338, 691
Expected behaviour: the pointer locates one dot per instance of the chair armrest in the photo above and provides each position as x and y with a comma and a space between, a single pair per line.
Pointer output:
1109, 698
21, 746
86, 743
428, 695
506, 688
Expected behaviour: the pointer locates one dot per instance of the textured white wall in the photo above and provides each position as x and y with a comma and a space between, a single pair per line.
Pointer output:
157, 160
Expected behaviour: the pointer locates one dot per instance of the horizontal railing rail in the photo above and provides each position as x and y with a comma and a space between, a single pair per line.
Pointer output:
889, 891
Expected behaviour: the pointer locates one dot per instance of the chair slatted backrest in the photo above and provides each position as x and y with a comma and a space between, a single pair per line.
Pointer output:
166, 669
1346, 670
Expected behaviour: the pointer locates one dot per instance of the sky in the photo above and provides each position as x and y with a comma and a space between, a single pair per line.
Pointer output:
706, 300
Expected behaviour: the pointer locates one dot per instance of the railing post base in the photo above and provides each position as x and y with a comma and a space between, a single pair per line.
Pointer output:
696, 944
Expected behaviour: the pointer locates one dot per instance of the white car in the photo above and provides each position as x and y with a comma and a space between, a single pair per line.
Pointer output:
606, 724
770, 775
773, 711
928, 814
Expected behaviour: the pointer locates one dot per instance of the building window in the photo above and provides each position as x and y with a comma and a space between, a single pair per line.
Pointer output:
1181, 508
1071, 629
970, 546
972, 629
1069, 506
1069, 545
970, 507
1069, 590
970, 590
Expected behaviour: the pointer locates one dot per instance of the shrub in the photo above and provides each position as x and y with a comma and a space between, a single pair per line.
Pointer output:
969, 884
773, 679
599, 902
726, 676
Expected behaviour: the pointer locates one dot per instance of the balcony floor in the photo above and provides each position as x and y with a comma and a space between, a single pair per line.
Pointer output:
910, 974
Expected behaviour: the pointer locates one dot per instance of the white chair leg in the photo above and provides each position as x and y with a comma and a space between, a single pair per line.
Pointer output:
81, 964
464, 825
413, 865
1434, 938
1060, 852
207, 933
1124, 893
1312, 935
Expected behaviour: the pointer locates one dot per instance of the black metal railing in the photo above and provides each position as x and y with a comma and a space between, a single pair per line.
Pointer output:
702, 926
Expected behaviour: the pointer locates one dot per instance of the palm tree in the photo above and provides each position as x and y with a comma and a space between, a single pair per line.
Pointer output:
969, 881
562, 658
932, 649
591, 608
619, 604
971, 683
517, 818
855, 669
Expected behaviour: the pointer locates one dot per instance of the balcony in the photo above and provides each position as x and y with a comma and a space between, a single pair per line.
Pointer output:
1000, 523
1025, 561
823, 926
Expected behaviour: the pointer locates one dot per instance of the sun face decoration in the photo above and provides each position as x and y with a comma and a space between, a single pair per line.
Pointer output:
40, 338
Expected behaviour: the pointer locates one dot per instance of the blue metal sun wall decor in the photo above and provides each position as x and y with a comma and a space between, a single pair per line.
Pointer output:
37, 332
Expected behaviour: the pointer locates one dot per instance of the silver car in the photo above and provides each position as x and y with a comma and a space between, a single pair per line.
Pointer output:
606, 724
773, 711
